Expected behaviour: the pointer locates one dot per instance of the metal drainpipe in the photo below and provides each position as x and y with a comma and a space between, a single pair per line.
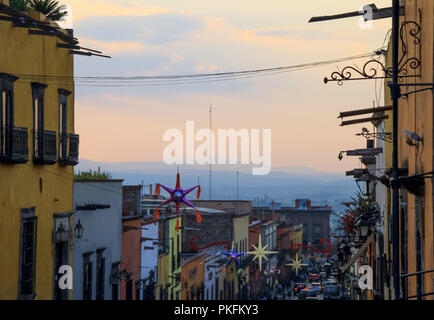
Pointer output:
395, 204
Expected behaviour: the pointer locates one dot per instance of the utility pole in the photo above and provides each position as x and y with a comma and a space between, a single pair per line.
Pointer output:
395, 187
237, 184
209, 155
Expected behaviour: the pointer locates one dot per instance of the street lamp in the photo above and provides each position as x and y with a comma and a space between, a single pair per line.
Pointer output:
61, 234
78, 230
363, 227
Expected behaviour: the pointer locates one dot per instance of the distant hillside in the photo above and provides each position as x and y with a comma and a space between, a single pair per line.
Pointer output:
283, 183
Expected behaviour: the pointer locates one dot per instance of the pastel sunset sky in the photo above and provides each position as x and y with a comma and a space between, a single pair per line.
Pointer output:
169, 37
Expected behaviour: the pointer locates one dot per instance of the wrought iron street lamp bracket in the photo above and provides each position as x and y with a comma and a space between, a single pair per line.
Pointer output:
370, 68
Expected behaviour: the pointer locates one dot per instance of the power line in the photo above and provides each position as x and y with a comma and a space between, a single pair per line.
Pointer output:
182, 78
72, 179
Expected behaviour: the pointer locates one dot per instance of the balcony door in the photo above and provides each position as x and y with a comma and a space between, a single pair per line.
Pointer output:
38, 116
63, 123
6, 118
6, 110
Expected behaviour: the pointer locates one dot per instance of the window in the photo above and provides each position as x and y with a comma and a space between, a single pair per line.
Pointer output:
38, 116
6, 109
63, 123
193, 272
137, 290
115, 290
28, 254
87, 277
114, 280
420, 253
129, 293
178, 256
100, 271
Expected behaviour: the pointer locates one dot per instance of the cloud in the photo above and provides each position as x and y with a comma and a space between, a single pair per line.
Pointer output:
155, 29
174, 42
82, 9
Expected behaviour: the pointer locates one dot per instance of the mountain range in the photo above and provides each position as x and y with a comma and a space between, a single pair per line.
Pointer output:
283, 184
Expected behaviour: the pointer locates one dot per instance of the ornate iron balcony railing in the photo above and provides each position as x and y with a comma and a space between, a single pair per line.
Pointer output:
14, 144
68, 149
44, 147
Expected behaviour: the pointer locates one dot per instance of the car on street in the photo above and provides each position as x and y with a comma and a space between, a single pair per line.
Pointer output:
330, 282
307, 293
298, 287
313, 277
316, 286
323, 276
331, 292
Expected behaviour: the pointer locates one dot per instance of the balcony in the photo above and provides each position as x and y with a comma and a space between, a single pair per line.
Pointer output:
14, 145
44, 147
68, 149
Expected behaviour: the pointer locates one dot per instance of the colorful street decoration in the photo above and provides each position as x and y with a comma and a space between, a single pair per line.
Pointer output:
271, 274
324, 240
297, 264
233, 257
260, 252
177, 195
194, 246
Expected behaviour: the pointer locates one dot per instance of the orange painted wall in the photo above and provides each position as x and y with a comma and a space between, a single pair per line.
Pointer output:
131, 254
188, 265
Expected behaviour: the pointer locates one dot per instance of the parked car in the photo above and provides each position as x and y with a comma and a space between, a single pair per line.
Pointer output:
316, 286
331, 282
323, 275
299, 287
331, 292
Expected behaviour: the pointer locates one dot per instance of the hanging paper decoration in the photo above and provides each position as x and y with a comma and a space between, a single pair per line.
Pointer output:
233, 257
260, 252
194, 246
297, 264
177, 195
324, 240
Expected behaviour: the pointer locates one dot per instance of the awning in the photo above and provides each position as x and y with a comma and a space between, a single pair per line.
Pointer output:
358, 253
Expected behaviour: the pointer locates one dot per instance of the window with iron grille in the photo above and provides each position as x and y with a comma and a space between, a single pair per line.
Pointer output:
100, 271
28, 254
87, 277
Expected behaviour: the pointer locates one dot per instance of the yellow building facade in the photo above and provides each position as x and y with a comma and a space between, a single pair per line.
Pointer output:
37, 151
239, 278
415, 114
169, 260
